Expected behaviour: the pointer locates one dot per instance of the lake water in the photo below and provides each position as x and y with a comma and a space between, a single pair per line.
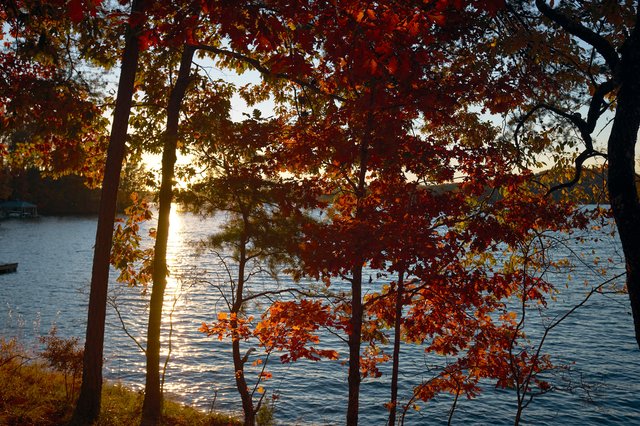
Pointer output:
600, 384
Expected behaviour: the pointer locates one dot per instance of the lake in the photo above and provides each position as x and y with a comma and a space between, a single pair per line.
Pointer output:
599, 384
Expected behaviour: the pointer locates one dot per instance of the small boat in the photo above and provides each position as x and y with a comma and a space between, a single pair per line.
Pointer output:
6, 268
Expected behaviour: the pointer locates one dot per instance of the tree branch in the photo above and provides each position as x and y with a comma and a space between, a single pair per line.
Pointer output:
597, 101
277, 292
579, 163
114, 305
585, 127
600, 43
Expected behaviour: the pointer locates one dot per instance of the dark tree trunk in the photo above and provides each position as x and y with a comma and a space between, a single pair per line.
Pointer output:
396, 350
355, 338
623, 194
357, 310
238, 304
88, 406
241, 383
152, 405
622, 190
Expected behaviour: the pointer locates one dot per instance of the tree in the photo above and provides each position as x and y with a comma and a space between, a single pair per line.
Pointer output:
622, 60
352, 139
357, 106
50, 117
151, 409
594, 50
263, 220
52, 123
376, 114
88, 405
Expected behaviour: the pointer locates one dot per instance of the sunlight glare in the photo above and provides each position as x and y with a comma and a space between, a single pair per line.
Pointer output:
174, 243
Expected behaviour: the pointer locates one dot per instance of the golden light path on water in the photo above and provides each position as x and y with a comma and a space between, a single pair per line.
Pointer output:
185, 307
172, 300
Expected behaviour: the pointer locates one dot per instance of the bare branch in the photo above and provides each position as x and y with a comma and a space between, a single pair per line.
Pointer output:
579, 163
114, 305
277, 292
597, 101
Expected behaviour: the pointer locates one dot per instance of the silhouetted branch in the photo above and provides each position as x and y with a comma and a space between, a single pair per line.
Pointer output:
114, 305
585, 128
599, 43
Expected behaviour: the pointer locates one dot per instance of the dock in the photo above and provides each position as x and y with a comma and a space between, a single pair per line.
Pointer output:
6, 268
17, 208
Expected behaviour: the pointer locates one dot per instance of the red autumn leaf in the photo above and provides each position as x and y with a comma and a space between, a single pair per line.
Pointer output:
76, 10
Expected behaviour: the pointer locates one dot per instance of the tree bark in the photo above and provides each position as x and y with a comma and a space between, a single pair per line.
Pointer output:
238, 304
87, 408
355, 338
396, 350
623, 193
152, 405
241, 383
357, 310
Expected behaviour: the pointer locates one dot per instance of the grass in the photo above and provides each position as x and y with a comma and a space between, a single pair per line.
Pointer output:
31, 393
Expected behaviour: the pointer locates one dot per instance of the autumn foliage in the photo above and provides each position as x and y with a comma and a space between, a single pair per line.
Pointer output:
382, 160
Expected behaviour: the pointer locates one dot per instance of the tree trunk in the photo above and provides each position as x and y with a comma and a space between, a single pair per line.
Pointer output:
238, 303
152, 405
241, 383
357, 312
355, 338
623, 193
396, 350
87, 408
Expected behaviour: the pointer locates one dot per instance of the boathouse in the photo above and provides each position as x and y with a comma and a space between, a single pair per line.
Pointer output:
18, 209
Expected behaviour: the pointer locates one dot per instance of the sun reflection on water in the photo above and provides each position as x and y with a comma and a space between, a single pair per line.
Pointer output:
174, 294
175, 242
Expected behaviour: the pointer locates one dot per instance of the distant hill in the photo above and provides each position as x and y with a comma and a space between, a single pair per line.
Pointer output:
590, 189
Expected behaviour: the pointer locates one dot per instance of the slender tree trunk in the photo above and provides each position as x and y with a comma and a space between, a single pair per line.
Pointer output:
238, 361
357, 311
152, 405
241, 383
355, 338
396, 350
623, 193
88, 406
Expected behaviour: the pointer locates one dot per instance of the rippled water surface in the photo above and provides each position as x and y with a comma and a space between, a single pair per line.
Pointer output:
599, 385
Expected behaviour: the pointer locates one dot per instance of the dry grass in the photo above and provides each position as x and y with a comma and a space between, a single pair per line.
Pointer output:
32, 394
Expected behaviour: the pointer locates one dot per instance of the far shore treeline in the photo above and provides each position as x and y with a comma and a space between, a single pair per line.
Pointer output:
69, 195
66, 195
